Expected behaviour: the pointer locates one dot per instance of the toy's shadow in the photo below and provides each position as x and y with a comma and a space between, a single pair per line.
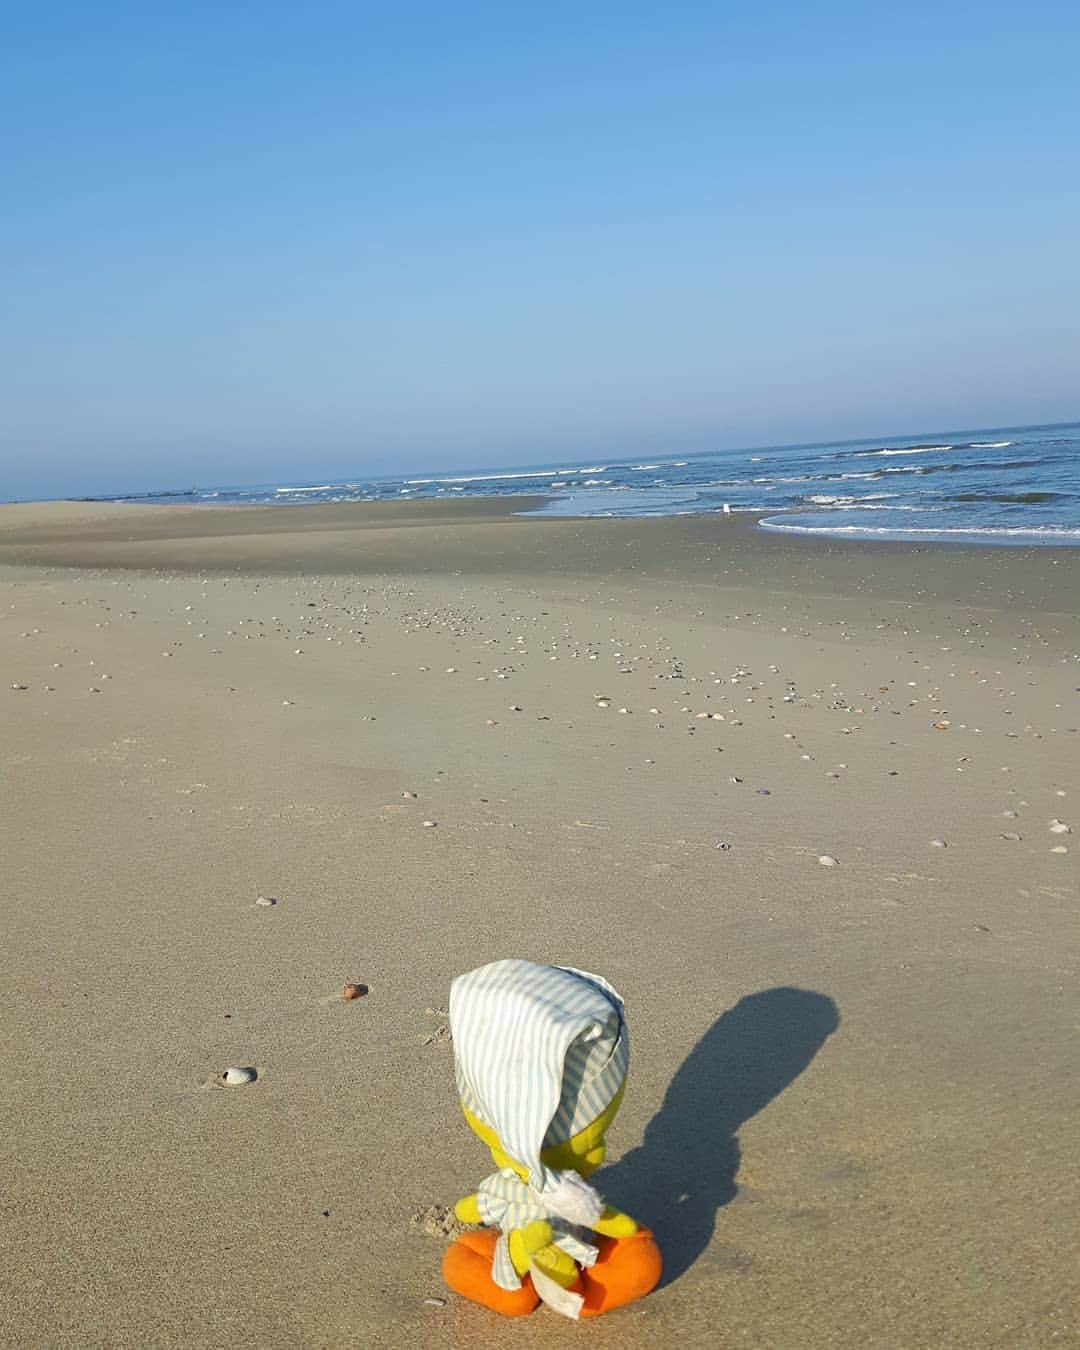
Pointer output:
685, 1169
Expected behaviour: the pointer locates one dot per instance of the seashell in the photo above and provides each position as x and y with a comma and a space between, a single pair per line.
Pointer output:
430, 824
1012, 836
942, 726
939, 843
434, 1303
267, 901
409, 794
1059, 848
236, 1075
827, 860
20, 686
353, 990
1059, 827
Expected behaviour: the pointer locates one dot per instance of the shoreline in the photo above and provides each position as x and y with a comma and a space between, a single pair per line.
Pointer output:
487, 536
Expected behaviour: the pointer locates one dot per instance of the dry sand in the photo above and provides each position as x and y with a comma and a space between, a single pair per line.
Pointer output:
852, 1110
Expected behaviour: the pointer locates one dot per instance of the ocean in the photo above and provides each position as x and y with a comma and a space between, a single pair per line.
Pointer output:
1004, 485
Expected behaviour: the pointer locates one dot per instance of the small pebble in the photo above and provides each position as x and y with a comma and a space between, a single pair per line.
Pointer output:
722, 844
938, 843
1012, 836
236, 1075
1059, 848
430, 824
435, 1302
1059, 827
409, 794
827, 860
266, 901
353, 991
20, 686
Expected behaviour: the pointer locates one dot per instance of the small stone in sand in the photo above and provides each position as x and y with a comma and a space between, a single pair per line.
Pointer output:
430, 824
353, 991
827, 860
1012, 836
20, 686
409, 794
237, 1075
1059, 848
267, 901
939, 843
435, 1302
438, 1221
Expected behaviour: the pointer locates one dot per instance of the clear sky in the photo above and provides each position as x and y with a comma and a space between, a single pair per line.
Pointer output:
248, 239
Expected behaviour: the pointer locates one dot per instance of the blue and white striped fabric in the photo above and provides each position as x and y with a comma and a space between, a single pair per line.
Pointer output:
539, 1051
506, 1203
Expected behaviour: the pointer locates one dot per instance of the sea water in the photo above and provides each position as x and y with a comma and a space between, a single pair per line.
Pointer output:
1011, 485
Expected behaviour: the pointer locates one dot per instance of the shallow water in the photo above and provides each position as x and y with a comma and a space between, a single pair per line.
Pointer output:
1018, 485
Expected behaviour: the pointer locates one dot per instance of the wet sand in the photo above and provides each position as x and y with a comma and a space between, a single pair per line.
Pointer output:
852, 1105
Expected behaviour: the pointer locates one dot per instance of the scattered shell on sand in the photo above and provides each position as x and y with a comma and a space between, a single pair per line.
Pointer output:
435, 1303
267, 901
939, 843
1059, 827
236, 1075
1012, 836
1059, 848
1010, 815
722, 844
353, 991
20, 686
430, 824
942, 726
827, 860
409, 794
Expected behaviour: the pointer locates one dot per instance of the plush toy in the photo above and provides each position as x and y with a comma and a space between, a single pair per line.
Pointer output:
541, 1054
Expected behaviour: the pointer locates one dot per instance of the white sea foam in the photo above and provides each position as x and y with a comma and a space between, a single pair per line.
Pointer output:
915, 450
1043, 532
326, 487
504, 477
990, 445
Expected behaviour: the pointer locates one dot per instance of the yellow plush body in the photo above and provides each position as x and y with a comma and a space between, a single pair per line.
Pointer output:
583, 1154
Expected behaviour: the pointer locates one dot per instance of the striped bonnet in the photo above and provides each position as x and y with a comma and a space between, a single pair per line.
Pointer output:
540, 1051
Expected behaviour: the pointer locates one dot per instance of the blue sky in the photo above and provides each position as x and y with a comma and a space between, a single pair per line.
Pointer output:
249, 240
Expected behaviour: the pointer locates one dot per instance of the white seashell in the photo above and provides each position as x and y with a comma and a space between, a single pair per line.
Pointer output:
430, 824
1059, 848
827, 860
1012, 836
237, 1075
1059, 827
939, 843
266, 901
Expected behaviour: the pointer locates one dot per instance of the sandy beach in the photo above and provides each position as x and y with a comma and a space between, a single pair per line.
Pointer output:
852, 1106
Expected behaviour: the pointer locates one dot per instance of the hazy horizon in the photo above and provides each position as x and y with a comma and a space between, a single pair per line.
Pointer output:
292, 245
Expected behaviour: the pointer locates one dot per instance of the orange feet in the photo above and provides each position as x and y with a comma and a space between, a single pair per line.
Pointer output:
467, 1270
627, 1269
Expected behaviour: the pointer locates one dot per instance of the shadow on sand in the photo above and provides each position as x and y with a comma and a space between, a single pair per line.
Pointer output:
685, 1169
